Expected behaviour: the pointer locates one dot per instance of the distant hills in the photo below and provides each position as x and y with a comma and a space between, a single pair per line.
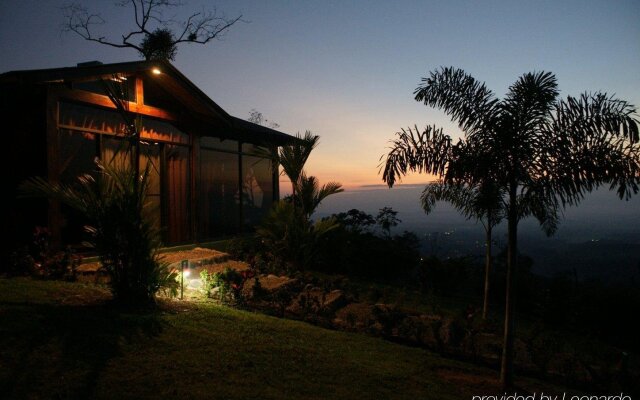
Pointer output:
599, 239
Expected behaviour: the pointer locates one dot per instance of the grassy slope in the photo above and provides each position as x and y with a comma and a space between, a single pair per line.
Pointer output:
60, 340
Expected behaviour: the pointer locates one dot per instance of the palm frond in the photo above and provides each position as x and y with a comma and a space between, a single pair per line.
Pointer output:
543, 205
428, 151
528, 102
309, 194
467, 101
481, 202
596, 143
293, 157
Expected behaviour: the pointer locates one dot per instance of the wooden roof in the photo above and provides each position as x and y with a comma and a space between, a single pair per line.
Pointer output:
175, 83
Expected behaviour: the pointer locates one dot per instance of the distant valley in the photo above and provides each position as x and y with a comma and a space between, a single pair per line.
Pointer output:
599, 239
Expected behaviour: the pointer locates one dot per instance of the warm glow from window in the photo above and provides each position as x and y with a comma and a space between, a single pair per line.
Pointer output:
156, 71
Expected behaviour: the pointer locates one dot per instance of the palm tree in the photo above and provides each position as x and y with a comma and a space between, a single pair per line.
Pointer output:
287, 231
293, 157
483, 203
309, 194
544, 153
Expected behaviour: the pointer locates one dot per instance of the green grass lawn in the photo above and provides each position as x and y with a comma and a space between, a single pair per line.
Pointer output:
63, 340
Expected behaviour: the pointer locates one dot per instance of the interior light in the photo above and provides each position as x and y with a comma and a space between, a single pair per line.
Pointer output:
156, 71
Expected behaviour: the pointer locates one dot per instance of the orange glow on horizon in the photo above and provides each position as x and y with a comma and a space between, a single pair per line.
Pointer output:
351, 181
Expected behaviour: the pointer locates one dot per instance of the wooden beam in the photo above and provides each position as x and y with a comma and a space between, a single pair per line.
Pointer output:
139, 91
103, 101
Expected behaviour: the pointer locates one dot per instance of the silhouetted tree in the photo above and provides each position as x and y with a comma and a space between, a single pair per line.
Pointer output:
544, 153
256, 117
292, 157
387, 218
309, 193
355, 220
483, 203
154, 36
288, 231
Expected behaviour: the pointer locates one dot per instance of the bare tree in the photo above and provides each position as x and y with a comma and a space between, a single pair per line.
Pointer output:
154, 36
256, 117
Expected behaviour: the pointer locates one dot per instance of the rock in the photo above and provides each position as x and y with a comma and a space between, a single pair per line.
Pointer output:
333, 301
307, 302
428, 330
409, 327
354, 317
314, 300
389, 317
269, 284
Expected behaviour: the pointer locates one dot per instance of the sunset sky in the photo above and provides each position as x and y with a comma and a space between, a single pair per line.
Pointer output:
346, 70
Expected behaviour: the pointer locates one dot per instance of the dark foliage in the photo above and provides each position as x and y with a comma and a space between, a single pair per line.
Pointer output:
41, 260
344, 243
387, 218
159, 45
354, 249
121, 229
558, 304
605, 312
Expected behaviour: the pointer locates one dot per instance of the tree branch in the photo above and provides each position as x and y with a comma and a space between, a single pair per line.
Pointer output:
200, 27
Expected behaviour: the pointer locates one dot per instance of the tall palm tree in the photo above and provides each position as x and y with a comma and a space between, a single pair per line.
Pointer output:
544, 153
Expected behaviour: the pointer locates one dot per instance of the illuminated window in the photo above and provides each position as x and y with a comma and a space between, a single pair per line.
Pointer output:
125, 86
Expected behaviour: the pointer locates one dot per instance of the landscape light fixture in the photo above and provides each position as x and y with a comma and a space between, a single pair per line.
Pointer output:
184, 272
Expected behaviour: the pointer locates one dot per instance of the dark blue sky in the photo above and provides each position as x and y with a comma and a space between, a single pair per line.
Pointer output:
346, 69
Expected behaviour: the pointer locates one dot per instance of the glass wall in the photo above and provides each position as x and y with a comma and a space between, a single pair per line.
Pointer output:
178, 194
257, 189
219, 200
115, 152
155, 129
88, 132
235, 182
235, 188
126, 86
150, 158
77, 154
92, 119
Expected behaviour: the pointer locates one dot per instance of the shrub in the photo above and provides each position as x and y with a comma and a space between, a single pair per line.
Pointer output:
352, 248
121, 229
244, 248
225, 286
40, 260
290, 239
